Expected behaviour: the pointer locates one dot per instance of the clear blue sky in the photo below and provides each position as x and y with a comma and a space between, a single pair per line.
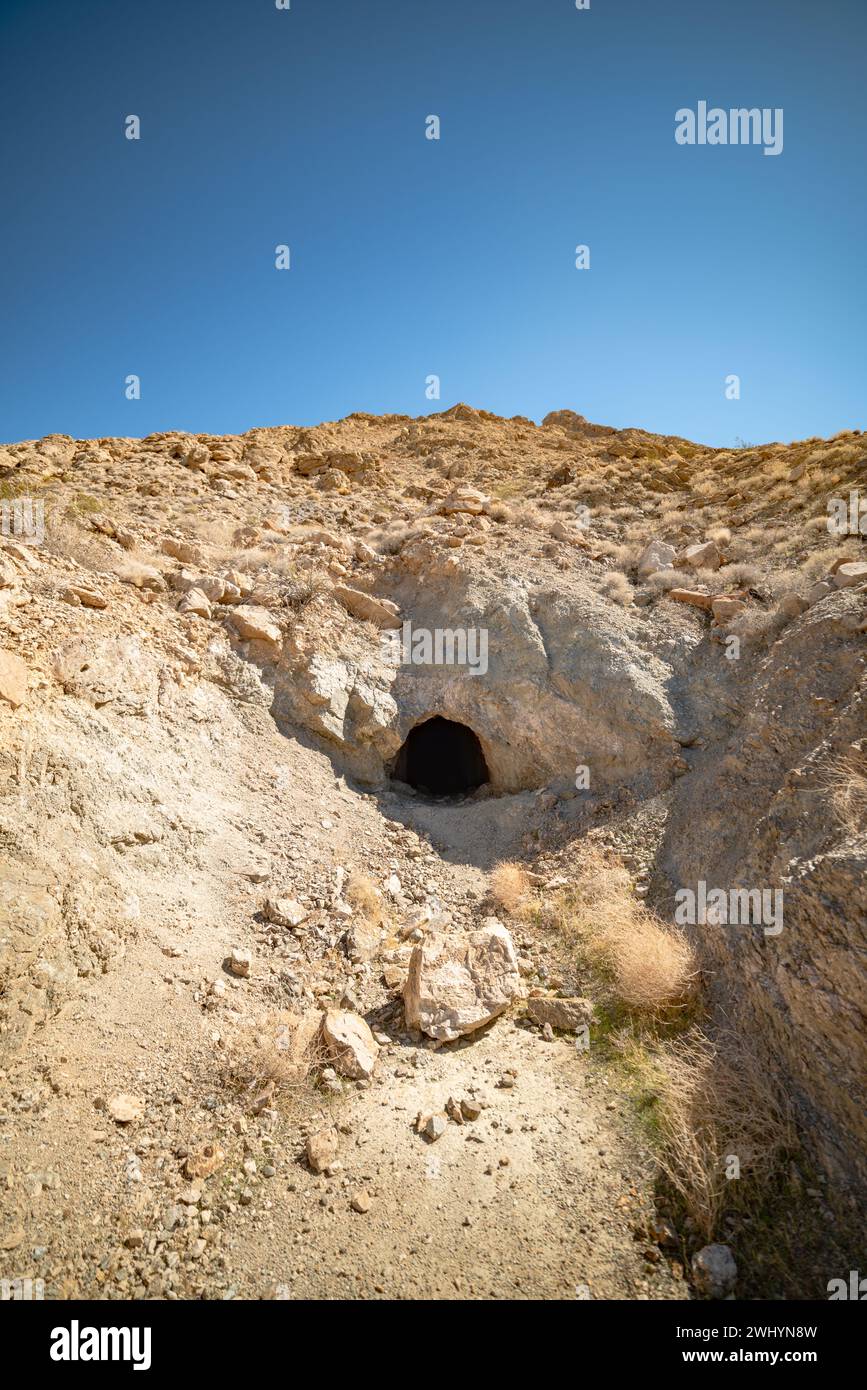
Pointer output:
410, 256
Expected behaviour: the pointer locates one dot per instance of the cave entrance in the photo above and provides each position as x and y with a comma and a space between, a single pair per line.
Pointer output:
441, 757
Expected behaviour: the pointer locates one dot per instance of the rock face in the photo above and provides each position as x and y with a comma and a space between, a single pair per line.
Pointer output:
459, 982
13, 679
568, 668
777, 990
349, 1043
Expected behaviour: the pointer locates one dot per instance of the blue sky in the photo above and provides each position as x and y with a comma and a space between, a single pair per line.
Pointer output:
413, 257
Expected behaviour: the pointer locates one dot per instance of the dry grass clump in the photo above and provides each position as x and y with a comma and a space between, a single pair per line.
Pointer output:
719, 1102
618, 589
509, 886
362, 894
645, 963
663, 581
846, 780
279, 1052
67, 538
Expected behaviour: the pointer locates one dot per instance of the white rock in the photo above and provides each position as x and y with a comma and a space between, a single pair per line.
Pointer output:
656, 555
459, 982
349, 1043
240, 962
714, 1270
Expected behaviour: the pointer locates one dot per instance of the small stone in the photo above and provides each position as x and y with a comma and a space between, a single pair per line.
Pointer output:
361, 1201
125, 1109
470, 1109
240, 962
435, 1127
714, 1270
322, 1150
284, 912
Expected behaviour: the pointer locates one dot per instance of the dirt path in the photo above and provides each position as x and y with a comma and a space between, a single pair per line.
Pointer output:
537, 1197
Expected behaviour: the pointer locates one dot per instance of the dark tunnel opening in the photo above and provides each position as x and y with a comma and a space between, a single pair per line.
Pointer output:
441, 757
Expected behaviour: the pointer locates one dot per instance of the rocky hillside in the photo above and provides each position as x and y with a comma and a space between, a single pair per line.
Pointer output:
266, 1024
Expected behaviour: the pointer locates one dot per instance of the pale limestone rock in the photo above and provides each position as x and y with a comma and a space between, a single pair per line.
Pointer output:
691, 596
567, 1015
459, 982
656, 555
726, 609
255, 624
851, 573
374, 610
284, 912
322, 1150
240, 962
196, 602
125, 1108
349, 1043
703, 556
13, 679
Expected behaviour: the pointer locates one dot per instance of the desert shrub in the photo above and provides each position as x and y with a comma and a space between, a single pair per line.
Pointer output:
718, 1099
846, 781
279, 1051
618, 589
509, 886
642, 962
362, 894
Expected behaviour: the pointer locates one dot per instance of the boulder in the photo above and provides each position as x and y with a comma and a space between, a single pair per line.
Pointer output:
83, 596
372, 610
349, 1043
284, 912
13, 679
459, 982
791, 605
464, 499
851, 573
255, 624
691, 596
195, 601
703, 556
566, 1015
819, 591
726, 609
656, 555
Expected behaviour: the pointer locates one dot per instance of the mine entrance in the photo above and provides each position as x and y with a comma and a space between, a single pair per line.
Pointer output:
442, 757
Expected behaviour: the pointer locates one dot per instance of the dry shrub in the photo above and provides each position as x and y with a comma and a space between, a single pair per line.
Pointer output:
509, 886
720, 535
618, 589
846, 780
718, 1100
66, 537
362, 894
277, 1053
652, 963
647, 963
738, 575
662, 581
